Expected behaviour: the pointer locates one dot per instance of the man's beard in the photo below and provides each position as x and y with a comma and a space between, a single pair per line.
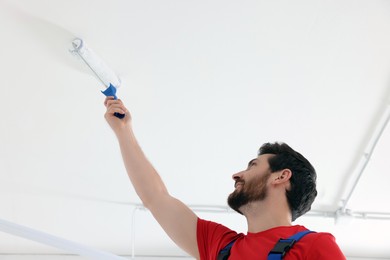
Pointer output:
255, 190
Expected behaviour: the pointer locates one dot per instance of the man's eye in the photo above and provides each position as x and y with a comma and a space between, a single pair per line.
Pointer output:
251, 163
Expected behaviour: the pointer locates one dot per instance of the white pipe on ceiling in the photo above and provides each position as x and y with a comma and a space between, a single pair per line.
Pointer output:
366, 156
61, 243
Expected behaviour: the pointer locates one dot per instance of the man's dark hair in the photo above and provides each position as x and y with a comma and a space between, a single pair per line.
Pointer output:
303, 180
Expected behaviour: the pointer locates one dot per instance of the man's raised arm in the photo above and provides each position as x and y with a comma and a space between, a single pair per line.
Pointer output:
178, 221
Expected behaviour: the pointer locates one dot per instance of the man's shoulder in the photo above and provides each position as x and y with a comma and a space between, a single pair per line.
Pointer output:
321, 237
214, 227
319, 245
314, 235
212, 237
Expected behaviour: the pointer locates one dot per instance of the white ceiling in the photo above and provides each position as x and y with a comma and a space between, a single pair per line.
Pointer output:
207, 83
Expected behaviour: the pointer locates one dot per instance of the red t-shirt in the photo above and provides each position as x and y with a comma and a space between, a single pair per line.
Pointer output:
213, 237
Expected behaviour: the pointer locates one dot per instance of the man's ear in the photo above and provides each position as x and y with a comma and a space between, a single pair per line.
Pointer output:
282, 176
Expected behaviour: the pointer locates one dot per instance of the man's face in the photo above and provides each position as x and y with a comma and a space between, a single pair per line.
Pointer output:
250, 184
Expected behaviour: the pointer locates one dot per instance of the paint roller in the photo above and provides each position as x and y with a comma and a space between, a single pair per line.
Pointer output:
103, 73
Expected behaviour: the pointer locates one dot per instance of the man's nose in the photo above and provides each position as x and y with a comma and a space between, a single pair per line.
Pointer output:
237, 176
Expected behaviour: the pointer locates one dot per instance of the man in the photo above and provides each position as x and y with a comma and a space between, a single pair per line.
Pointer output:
277, 187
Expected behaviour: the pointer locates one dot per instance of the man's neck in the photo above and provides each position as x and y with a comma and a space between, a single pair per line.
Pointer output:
261, 218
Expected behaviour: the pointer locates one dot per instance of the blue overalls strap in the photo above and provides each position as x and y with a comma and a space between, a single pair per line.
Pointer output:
283, 245
225, 252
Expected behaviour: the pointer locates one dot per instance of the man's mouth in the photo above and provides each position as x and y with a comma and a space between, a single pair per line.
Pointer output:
238, 183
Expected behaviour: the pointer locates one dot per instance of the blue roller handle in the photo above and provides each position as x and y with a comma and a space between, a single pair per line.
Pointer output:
111, 92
